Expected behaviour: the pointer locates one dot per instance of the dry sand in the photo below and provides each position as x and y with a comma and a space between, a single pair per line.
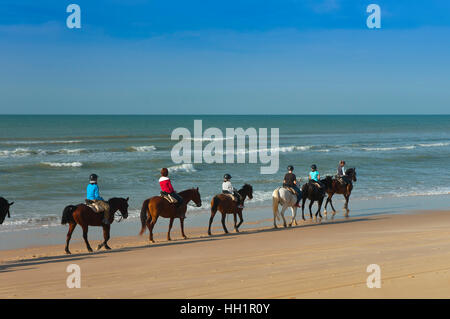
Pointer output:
326, 260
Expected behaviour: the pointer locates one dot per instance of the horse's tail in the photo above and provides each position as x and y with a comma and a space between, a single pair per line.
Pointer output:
214, 204
275, 203
144, 217
67, 214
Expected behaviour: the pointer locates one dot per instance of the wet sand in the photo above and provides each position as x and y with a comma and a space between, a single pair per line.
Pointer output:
312, 260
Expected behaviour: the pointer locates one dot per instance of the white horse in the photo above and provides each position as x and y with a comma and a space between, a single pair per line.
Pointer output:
281, 196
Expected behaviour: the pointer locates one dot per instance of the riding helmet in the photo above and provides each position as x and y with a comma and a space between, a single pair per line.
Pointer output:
93, 177
227, 176
313, 166
290, 168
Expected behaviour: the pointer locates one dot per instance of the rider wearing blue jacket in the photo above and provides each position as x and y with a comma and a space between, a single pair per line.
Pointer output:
93, 195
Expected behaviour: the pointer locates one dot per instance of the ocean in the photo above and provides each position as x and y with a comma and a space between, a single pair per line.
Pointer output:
45, 161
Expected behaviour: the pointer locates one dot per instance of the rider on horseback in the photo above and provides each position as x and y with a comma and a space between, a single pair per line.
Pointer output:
314, 178
227, 188
93, 196
166, 186
341, 177
290, 180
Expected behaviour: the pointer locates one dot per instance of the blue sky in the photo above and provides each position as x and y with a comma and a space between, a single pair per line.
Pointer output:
215, 57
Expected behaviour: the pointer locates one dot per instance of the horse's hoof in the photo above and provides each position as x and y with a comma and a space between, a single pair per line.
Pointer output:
99, 247
90, 250
168, 239
209, 234
107, 247
68, 252
185, 237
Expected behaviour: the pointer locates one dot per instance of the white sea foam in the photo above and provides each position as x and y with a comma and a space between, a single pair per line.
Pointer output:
435, 144
39, 142
55, 164
143, 148
380, 149
182, 168
20, 152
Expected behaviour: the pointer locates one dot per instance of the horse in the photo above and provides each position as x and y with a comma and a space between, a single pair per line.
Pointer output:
333, 186
157, 206
313, 193
84, 216
282, 196
226, 205
4, 209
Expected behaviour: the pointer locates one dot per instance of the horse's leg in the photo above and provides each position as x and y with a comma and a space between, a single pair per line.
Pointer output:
310, 205
303, 208
223, 223
69, 235
347, 197
282, 216
210, 222
150, 227
294, 214
85, 237
326, 203
170, 227
182, 228
240, 218
330, 198
106, 229
319, 206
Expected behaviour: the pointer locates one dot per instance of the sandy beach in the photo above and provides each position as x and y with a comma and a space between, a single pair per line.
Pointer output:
312, 260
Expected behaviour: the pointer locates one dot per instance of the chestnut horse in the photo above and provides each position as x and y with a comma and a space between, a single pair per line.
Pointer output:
333, 186
84, 216
224, 204
157, 206
4, 209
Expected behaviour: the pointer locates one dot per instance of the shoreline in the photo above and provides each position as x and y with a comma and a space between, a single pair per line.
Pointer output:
313, 260
55, 235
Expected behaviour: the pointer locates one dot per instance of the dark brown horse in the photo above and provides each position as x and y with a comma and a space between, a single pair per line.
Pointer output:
157, 206
334, 186
313, 193
4, 209
224, 204
84, 216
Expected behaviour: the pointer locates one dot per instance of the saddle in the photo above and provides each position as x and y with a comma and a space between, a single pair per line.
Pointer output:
233, 198
291, 190
169, 198
342, 179
96, 207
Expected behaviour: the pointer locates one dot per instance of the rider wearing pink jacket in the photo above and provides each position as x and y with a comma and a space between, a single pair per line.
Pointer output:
166, 186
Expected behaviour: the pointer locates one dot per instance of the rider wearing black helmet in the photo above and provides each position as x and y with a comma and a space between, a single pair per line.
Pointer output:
93, 196
290, 180
227, 188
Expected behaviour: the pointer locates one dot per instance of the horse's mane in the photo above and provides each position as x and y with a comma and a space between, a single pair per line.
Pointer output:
187, 190
3, 201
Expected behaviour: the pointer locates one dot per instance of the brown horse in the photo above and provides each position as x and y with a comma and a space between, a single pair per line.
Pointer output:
157, 206
84, 216
224, 204
333, 186
4, 209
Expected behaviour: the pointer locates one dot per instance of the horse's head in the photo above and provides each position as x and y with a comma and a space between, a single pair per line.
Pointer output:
196, 197
352, 173
4, 209
119, 204
246, 190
